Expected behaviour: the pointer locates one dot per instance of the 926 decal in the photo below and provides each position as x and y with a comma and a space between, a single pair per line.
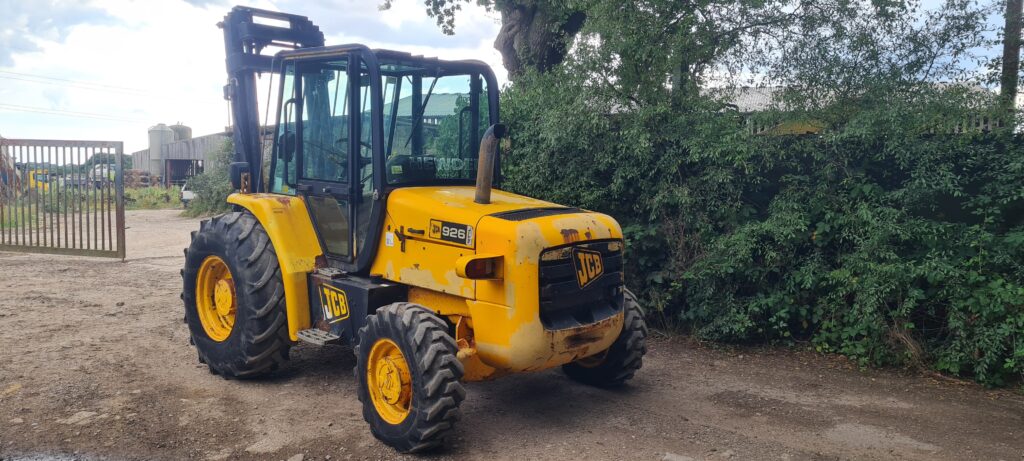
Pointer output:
451, 232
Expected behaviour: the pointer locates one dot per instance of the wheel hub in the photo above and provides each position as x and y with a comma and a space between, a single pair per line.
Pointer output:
215, 298
389, 381
224, 297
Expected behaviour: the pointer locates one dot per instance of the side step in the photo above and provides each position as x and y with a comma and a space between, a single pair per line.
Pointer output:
318, 337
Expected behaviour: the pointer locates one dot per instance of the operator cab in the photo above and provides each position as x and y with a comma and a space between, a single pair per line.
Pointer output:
355, 123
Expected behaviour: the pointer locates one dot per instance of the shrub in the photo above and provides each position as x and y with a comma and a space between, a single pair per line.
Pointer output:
152, 198
884, 239
213, 186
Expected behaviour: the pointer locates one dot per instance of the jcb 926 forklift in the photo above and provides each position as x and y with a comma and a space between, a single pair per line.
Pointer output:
377, 224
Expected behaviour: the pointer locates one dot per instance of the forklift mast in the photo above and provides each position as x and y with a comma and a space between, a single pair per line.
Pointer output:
247, 33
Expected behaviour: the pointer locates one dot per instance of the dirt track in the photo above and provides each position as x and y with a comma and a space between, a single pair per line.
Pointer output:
95, 363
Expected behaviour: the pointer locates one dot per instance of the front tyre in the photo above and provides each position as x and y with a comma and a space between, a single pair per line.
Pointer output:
408, 377
620, 362
234, 297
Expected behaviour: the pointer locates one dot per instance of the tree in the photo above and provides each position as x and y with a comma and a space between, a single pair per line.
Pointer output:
884, 238
1010, 75
107, 159
534, 33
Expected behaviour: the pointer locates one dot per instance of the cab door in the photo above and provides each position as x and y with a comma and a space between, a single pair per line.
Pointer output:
334, 151
326, 98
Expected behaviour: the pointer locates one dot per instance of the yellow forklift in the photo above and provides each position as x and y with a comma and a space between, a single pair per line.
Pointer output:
378, 223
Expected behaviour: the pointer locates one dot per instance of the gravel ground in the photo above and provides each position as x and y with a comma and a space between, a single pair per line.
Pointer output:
95, 364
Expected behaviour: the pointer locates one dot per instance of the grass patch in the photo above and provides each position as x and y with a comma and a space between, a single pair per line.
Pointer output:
152, 198
16, 217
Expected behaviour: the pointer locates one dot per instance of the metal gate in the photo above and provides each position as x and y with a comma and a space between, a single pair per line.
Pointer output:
62, 197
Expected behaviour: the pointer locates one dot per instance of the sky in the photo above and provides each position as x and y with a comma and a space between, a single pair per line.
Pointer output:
107, 70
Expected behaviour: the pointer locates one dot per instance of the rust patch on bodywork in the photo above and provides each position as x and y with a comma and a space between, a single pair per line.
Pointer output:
585, 335
570, 235
582, 339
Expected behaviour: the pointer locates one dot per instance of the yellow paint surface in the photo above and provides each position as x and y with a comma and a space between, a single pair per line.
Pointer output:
505, 312
286, 220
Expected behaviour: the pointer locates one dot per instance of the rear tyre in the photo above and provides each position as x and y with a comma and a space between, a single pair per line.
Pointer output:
620, 362
408, 377
234, 298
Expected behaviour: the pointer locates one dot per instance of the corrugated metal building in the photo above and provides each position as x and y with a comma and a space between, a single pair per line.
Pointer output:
177, 157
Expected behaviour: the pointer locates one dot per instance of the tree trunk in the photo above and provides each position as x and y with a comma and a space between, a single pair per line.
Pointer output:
534, 37
1011, 55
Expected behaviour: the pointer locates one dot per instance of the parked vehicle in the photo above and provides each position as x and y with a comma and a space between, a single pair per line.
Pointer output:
395, 240
187, 194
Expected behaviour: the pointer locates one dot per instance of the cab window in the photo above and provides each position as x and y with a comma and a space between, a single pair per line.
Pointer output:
325, 120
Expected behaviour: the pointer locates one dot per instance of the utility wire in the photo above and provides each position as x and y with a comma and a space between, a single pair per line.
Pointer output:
67, 113
74, 85
40, 79
65, 80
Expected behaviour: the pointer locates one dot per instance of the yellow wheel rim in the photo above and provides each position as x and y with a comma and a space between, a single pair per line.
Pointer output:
215, 298
389, 381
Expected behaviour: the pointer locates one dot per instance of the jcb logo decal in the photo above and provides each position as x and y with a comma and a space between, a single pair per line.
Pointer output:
334, 303
589, 266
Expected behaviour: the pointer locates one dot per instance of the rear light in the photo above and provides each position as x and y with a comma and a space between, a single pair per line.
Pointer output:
479, 267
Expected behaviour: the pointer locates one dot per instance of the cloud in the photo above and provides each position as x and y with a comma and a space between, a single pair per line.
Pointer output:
138, 63
23, 24
205, 3
406, 22
404, 27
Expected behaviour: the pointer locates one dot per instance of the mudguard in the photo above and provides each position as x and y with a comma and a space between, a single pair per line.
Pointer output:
286, 220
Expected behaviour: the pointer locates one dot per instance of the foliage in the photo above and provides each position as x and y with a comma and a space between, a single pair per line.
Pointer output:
17, 214
213, 185
895, 236
444, 143
534, 33
84, 168
152, 198
106, 159
443, 11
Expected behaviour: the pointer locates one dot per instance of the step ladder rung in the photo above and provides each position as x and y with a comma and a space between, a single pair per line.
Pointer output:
318, 337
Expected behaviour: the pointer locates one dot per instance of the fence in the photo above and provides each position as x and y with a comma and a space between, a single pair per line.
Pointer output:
62, 197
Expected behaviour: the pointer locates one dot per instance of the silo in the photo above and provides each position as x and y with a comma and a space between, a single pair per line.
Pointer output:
158, 136
181, 132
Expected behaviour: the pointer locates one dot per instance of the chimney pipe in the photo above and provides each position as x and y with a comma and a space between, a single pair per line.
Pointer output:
485, 166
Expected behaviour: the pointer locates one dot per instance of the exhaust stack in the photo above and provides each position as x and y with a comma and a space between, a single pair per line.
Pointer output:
485, 166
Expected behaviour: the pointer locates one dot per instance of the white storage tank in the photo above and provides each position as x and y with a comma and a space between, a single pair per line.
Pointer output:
181, 132
158, 136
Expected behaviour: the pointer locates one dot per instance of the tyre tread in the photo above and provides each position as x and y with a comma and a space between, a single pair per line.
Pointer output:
433, 352
625, 356
265, 337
